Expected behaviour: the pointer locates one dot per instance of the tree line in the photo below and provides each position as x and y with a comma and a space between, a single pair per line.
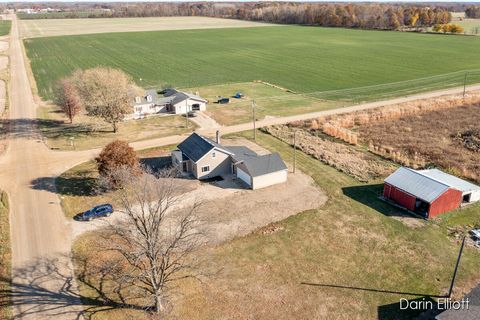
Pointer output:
365, 16
473, 12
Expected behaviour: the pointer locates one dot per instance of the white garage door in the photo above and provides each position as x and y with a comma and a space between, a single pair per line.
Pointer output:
245, 177
270, 179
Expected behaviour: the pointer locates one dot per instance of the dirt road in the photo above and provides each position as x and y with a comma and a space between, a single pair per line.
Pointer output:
43, 283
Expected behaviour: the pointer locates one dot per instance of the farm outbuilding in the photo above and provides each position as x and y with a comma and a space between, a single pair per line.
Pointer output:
429, 192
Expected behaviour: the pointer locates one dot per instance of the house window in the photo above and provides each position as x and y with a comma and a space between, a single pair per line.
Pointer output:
139, 109
206, 169
213, 155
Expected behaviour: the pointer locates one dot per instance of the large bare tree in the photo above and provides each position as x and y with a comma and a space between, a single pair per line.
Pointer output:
68, 98
155, 235
105, 93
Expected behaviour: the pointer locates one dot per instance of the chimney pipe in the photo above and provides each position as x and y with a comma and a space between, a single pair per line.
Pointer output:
218, 136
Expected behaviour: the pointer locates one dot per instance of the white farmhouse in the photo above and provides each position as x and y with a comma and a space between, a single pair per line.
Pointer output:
170, 101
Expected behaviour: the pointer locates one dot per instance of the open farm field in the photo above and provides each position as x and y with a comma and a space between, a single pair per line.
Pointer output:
471, 26
354, 251
327, 61
57, 27
58, 15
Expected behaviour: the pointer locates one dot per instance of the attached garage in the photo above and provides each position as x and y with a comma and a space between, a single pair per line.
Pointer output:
245, 177
426, 192
258, 171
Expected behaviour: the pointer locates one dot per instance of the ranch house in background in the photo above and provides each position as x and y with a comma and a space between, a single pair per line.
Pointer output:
429, 192
205, 159
167, 101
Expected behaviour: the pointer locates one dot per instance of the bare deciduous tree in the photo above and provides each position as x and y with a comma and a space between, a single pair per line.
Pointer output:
105, 93
68, 98
155, 237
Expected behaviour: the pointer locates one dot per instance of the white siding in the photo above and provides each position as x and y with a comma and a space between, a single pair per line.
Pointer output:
187, 105
149, 108
475, 196
269, 179
245, 177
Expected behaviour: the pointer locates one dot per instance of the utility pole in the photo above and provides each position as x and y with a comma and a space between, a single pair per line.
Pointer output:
294, 150
254, 120
456, 268
465, 84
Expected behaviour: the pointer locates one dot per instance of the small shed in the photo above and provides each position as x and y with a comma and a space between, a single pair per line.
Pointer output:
421, 193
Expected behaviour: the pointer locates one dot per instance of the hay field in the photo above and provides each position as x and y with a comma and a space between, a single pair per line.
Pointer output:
57, 27
430, 139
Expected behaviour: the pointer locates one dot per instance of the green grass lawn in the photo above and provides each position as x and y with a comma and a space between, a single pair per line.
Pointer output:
89, 132
354, 240
269, 101
303, 59
5, 26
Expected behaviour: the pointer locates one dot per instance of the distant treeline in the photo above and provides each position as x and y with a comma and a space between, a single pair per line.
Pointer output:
473, 12
366, 16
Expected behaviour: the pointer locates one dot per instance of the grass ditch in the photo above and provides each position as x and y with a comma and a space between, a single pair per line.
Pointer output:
5, 27
5, 256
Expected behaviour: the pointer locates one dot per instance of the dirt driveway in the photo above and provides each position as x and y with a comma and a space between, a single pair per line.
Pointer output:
229, 210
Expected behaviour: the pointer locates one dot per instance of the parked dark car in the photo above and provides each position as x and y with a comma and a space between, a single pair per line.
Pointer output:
223, 100
191, 114
100, 211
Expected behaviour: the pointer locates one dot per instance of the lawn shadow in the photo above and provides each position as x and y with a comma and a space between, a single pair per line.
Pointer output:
369, 195
71, 186
407, 309
43, 289
156, 164
51, 129
398, 310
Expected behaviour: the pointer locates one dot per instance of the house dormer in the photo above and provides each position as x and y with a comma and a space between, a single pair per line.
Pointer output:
138, 99
149, 98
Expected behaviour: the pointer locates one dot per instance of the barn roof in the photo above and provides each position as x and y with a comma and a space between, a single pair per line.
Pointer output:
417, 184
450, 180
196, 146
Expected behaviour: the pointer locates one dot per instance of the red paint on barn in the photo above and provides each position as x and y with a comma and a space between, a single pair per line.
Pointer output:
448, 201
399, 196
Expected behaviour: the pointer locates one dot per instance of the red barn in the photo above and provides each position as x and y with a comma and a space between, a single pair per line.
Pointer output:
420, 192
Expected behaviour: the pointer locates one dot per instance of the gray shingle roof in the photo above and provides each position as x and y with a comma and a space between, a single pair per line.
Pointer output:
241, 153
196, 146
143, 99
260, 165
182, 96
417, 184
